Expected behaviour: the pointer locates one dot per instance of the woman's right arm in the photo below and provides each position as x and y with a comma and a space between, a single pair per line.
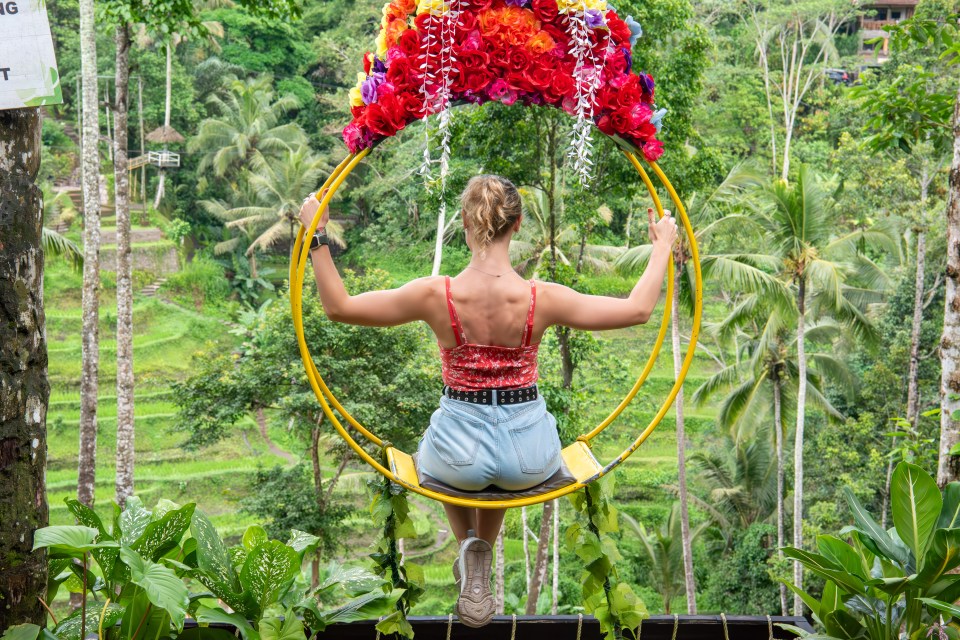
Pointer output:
569, 308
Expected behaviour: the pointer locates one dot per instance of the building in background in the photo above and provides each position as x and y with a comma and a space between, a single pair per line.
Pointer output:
878, 16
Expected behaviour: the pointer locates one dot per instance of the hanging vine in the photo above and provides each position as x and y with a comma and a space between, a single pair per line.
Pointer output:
612, 603
390, 512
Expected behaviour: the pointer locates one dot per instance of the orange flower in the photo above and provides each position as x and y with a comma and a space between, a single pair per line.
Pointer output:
393, 30
540, 43
407, 6
489, 22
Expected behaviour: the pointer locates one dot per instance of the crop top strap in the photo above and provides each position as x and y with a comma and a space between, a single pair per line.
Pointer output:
458, 334
528, 327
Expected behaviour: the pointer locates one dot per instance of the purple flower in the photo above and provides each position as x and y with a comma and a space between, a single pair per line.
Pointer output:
519, 3
378, 65
368, 90
628, 56
646, 80
594, 18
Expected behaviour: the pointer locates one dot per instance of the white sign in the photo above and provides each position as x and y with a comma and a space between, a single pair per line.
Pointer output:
28, 67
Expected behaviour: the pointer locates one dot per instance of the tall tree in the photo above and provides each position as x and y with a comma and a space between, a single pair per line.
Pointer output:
923, 107
794, 43
125, 381
90, 340
800, 230
729, 268
24, 389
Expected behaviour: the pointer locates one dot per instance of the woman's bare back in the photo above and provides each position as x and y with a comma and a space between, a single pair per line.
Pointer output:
492, 310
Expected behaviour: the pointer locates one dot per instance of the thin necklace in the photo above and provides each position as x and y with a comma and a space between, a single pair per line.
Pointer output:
495, 275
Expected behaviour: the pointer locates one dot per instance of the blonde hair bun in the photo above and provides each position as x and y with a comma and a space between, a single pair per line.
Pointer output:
490, 205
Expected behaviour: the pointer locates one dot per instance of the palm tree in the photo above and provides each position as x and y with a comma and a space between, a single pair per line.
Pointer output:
662, 550
90, 165
270, 201
248, 126
763, 376
705, 214
799, 227
740, 477
532, 246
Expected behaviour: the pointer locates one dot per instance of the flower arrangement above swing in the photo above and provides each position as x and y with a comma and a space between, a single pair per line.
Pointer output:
574, 55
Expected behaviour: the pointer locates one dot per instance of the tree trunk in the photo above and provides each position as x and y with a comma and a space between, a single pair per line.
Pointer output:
798, 442
143, 145
499, 595
948, 468
526, 547
125, 400
778, 435
90, 342
166, 122
555, 591
540, 563
689, 581
24, 389
336, 477
315, 459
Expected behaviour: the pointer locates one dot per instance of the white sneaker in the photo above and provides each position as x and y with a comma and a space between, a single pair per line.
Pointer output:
476, 605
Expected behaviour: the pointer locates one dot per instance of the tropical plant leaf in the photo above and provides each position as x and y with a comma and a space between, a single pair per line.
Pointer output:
212, 556
950, 514
942, 555
840, 624
287, 628
133, 520
841, 554
69, 540
354, 580
254, 536
162, 586
915, 504
268, 571
812, 603
880, 542
302, 542
69, 627
945, 607
826, 569
106, 557
161, 535
25, 631
208, 615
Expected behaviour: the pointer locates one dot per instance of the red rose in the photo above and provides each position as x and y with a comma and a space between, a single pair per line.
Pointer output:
518, 81
518, 59
561, 85
539, 76
400, 72
412, 105
423, 21
409, 42
386, 116
467, 21
476, 81
644, 131
652, 150
367, 61
618, 28
629, 93
357, 112
353, 137
545, 10
560, 36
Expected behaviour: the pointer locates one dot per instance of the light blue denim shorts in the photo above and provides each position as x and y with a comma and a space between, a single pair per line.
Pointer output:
472, 446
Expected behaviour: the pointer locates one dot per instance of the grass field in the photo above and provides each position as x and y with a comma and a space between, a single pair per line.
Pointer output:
167, 336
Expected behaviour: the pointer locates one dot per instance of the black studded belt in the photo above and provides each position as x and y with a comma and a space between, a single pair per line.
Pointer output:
485, 396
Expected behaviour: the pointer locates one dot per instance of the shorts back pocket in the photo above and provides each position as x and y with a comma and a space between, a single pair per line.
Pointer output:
535, 440
455, 437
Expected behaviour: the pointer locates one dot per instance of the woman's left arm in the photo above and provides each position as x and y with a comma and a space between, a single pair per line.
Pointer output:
386, 308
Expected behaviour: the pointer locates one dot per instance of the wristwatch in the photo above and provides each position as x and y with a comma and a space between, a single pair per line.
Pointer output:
319, 238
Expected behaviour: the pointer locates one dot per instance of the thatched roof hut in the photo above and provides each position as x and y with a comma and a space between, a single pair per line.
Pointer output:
165, 135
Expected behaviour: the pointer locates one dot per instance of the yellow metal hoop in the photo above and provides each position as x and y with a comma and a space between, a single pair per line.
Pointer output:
329, 402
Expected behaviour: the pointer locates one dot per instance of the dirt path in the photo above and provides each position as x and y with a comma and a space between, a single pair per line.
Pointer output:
442, 529
274, 449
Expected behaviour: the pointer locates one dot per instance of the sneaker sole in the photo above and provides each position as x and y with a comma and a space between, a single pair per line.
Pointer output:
476, 604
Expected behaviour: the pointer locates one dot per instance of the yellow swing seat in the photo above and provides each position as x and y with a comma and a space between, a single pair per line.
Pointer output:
578, 466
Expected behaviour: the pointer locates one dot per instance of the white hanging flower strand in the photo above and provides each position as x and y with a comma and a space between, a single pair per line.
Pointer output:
587, 80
